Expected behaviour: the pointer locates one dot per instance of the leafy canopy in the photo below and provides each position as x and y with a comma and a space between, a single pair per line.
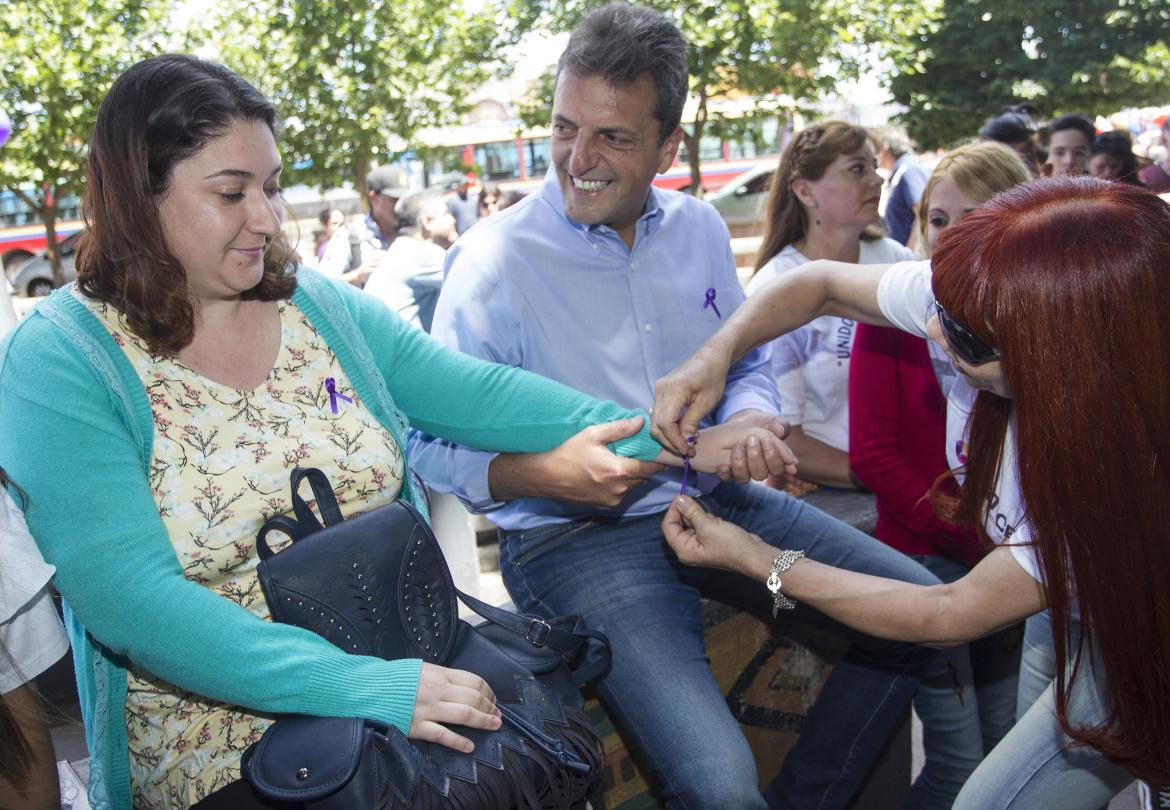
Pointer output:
969, 58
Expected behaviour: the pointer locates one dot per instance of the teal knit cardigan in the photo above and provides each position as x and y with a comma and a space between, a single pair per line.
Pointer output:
77, 434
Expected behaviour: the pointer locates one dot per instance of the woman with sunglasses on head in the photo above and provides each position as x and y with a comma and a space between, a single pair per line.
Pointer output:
898, 384
1061, 344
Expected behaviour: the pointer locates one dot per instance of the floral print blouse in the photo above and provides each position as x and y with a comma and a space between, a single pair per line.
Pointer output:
220, 468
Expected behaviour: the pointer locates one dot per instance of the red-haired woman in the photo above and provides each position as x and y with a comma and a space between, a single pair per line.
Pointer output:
1062, 344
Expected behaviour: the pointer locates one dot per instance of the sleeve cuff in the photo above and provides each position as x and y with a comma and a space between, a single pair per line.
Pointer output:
743, 402
641, 445
360, 686
471, 479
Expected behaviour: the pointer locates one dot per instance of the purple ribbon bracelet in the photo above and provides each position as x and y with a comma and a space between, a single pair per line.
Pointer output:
331, 387
687, 466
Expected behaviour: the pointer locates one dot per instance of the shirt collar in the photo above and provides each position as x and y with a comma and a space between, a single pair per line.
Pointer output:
652, 214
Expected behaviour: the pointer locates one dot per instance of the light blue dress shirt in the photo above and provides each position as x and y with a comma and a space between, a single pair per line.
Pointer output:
531, 288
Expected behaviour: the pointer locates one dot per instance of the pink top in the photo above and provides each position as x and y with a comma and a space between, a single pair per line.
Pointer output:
1155, 177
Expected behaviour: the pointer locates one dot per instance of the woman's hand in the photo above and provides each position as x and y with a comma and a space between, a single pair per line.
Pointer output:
696, 386
452, 697
745, 449
699, 538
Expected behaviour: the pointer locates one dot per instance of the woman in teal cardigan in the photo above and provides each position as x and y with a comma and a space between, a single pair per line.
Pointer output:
153, 410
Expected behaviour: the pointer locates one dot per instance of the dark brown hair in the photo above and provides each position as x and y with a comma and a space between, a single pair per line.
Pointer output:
807, 157
1068, 279
159, 112
18, 754
620, 42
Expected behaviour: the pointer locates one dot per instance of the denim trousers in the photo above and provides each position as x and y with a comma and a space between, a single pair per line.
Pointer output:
1036, 765
966, 701
623, 578
1038, 662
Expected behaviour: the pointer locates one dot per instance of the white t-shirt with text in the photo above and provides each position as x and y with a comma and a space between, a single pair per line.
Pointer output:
811, 363
30, 631
905, 297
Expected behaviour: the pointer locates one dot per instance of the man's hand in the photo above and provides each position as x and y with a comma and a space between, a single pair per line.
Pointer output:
755, 452
452, 697
751, 461
696, 386
582, 470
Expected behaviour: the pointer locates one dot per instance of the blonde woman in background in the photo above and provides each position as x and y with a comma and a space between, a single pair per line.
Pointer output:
898, 384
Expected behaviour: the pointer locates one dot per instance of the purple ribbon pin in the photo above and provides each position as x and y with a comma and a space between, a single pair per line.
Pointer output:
331, 387
710, 302
687, 464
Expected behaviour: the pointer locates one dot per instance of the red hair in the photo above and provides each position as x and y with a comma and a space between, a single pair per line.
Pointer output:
1070, 279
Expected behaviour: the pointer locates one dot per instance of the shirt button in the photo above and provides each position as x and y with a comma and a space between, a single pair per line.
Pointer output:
647, 327
633, 265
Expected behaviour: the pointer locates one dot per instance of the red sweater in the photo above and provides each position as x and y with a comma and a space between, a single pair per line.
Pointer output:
897, 441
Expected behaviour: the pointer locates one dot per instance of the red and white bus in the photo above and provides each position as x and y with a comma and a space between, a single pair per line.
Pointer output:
515, 158
22, 233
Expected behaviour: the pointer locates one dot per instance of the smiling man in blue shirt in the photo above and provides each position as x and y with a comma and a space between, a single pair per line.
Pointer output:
606, 283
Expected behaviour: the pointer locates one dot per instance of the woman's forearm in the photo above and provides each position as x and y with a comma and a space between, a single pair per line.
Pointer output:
885, 608
794, 298
691, 391
820, 463
995, 594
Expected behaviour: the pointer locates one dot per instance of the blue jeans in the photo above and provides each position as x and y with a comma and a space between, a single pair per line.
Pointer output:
1035, 765
967, 703
1038, 662
626, 582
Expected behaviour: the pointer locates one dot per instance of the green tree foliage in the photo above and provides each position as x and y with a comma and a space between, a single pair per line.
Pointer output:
57, 59
350, 79
971, 57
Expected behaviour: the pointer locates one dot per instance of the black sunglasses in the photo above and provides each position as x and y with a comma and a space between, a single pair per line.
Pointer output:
969, 348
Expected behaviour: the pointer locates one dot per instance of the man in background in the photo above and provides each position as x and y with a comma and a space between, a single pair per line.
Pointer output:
368, 240
1070, 142
906, 183
411, 271
462, 206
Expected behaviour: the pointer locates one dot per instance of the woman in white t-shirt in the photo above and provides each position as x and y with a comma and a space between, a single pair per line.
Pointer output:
31, 640
1050, 301
823, 205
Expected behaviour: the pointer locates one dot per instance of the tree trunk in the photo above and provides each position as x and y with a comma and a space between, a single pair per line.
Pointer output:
361, 167
693, 141
49, 216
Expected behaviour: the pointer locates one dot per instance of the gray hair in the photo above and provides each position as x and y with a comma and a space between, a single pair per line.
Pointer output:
411, 209
893, 138
620, 42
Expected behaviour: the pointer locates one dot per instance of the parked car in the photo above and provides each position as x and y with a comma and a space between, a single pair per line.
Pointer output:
741, 201
34, 277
